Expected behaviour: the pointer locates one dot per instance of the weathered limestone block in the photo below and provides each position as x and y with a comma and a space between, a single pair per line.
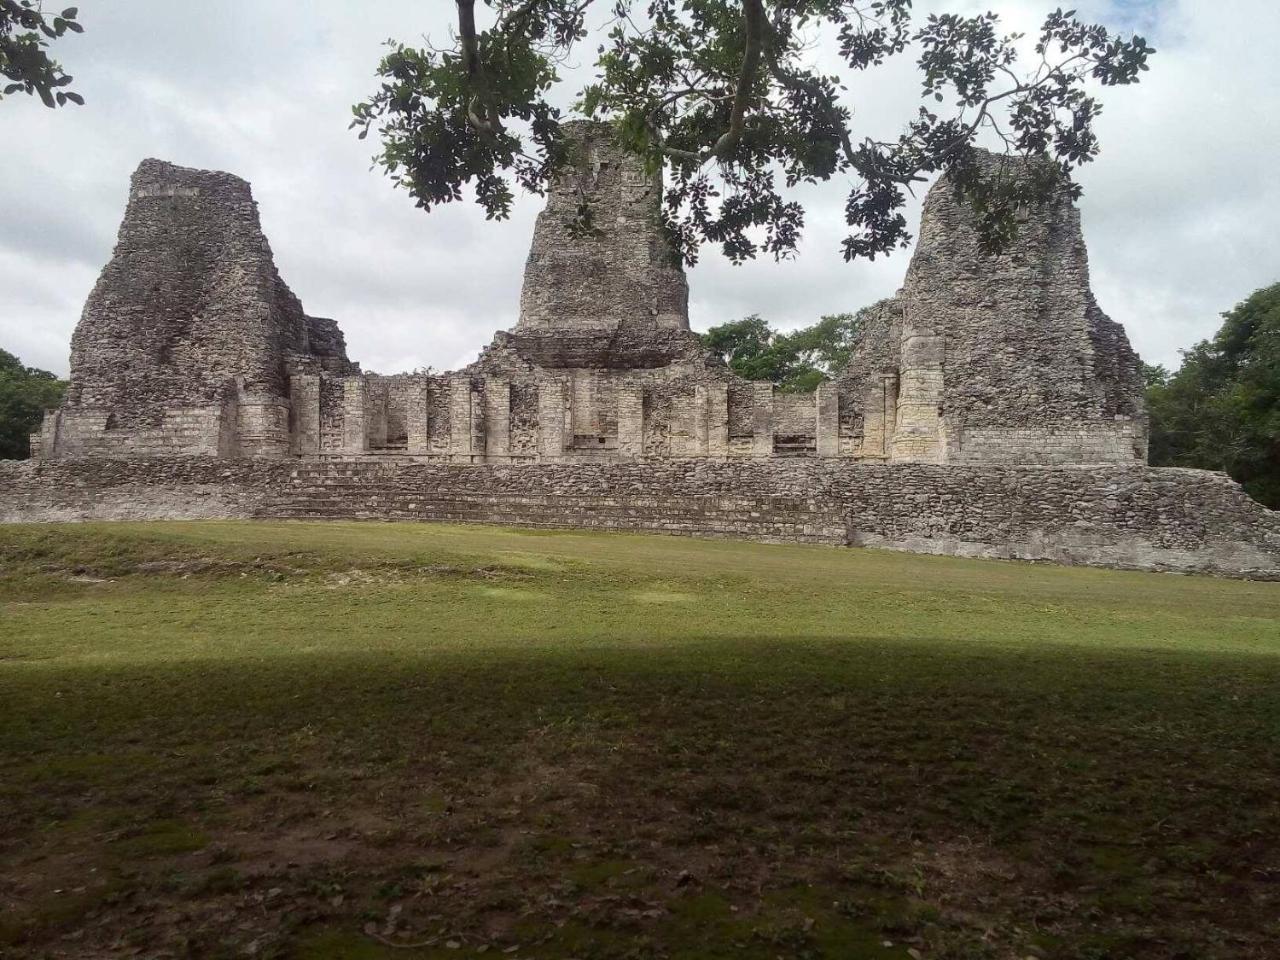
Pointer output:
918, 428
262, 426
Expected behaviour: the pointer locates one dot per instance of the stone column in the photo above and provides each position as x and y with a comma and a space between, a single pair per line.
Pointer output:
375, 413
762, 421
355, 436
304, 398
878, 415
550, 418
717, 419
630, 393
497, 417
917, 433
418, 421
460, 432
828, 425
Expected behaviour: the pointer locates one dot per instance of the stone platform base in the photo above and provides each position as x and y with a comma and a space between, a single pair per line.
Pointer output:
1188, 521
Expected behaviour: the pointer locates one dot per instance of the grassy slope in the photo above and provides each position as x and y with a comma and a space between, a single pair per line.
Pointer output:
309, 740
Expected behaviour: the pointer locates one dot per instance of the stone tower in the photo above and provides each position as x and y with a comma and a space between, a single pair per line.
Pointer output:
602, 285
1004, 357
599, 256
183, 344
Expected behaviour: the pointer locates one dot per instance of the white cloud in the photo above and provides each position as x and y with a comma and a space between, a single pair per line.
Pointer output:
1179, 211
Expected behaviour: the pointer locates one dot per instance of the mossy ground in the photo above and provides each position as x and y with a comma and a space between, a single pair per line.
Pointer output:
320, 740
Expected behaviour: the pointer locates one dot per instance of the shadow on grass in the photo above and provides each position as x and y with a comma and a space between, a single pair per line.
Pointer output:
1083, 793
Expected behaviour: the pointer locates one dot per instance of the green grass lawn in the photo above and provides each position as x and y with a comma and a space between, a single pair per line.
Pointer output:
391, 740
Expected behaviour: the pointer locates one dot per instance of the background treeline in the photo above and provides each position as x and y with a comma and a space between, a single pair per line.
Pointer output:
25, 393
1221, 409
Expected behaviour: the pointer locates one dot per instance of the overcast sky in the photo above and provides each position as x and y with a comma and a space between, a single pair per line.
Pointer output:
1181, 211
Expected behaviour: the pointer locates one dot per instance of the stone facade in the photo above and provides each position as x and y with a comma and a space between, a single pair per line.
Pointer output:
990, 408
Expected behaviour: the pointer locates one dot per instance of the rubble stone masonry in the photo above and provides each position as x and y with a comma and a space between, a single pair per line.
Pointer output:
1119, 516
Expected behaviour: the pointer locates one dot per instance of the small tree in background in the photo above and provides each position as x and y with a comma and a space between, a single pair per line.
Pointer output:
1221, 409
25, 394
797, 361
25, 32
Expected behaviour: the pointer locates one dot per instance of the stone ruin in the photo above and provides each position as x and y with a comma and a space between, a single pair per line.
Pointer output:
990, 403
191, 344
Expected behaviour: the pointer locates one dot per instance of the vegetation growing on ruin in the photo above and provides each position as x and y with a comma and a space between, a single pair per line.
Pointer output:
298, 740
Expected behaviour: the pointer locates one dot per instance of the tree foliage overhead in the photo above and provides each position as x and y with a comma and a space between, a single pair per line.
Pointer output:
797, 361
25, 394
728, 96
25, 32
1221, 409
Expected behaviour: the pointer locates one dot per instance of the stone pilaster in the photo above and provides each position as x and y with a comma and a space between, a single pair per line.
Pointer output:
917, 433
355, 435
762, 421
551, 416
717, 419
418, 421
828, 420
460, 427
304, 399
497, 417
630, 393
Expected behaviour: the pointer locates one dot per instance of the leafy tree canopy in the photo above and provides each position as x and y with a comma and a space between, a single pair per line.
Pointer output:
796, 361
1221, 409
728, 97
25, 32
25, 393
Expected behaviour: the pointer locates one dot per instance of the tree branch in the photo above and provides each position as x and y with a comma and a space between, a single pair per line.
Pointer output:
488, 122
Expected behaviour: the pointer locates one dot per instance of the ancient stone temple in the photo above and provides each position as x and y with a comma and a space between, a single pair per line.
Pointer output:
185, 343
990, 407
